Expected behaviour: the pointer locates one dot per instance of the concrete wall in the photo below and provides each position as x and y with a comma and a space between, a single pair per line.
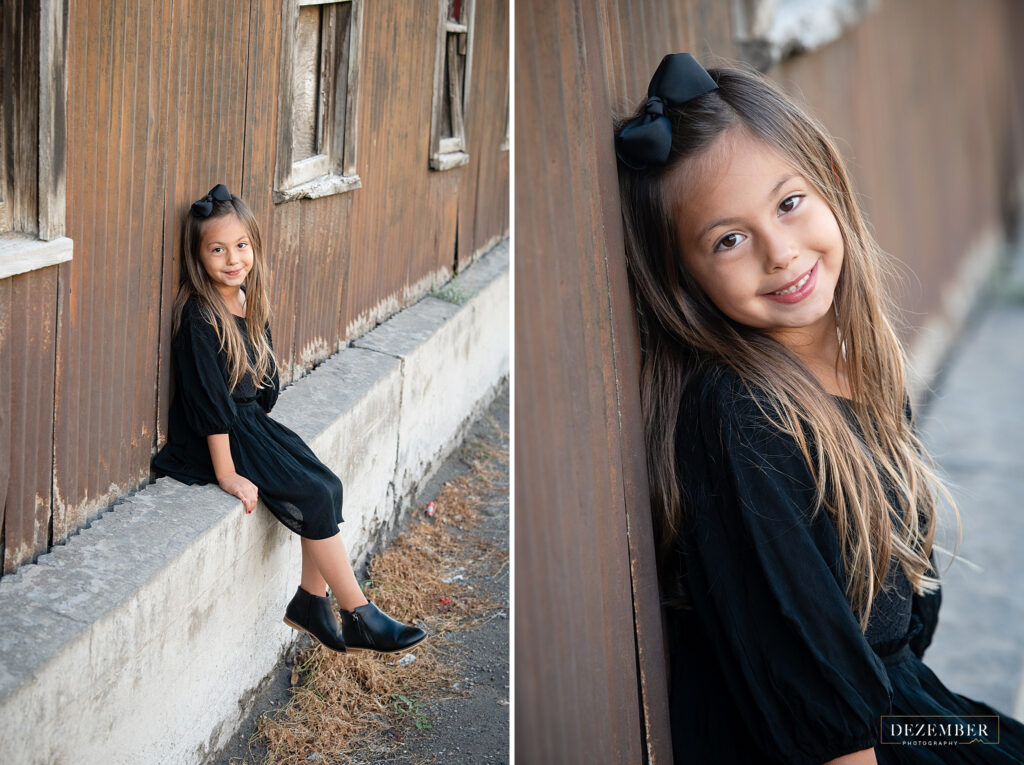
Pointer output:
142, 638
434, 401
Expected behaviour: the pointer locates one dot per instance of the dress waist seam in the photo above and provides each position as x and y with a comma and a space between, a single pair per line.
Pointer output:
899, 654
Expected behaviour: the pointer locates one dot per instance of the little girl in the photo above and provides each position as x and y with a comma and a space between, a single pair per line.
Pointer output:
220, 430
793, 502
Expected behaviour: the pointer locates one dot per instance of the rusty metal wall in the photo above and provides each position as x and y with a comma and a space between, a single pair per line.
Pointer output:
922, 96
166, 99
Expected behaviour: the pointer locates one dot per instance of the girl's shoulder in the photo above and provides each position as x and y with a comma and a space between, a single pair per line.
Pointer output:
723, 418
716, 396
195, 322
191, 310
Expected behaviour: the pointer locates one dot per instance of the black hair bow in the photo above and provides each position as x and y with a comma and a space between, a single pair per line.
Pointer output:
647, 140
203, 207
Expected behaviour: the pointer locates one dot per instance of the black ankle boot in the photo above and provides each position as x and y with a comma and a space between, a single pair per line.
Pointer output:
312, 614
370, 629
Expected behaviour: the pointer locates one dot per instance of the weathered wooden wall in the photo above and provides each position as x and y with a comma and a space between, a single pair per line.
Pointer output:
165, 99
589, 683
397, 234
27, 303
920, 95
19, 61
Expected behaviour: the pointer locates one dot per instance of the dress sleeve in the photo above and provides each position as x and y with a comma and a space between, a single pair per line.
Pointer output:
267, 397
924, 617
202, 376
765, 589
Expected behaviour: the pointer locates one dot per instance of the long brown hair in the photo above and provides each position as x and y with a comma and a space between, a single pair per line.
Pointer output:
684, 335
196, 285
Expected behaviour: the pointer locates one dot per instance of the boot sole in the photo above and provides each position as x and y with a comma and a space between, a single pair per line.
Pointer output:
297, 628
354, 648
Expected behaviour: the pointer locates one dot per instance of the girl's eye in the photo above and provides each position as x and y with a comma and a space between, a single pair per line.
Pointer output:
216, 250
243, 244
728, 242
790, 203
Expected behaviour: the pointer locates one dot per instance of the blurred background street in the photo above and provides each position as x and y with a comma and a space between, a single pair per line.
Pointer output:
974, 428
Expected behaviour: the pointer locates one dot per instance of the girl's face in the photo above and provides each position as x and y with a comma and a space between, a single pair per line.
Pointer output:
226, 254
759, 240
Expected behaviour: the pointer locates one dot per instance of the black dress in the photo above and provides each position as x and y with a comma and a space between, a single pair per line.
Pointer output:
770, 665
297, 487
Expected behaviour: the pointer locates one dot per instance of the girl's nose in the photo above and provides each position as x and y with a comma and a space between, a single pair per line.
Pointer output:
780, 251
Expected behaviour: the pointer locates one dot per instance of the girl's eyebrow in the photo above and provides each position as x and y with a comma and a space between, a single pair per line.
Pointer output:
728, 221
244, 236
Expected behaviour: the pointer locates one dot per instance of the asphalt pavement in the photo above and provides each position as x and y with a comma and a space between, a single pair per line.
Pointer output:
974, 428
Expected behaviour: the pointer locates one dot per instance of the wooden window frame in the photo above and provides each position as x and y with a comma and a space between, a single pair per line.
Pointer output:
447, 152
332, 171
33, 240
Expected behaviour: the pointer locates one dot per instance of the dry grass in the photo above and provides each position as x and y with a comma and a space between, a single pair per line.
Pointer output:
347, 704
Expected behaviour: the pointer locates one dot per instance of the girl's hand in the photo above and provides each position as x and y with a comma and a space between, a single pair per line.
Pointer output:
863, 757
241, 487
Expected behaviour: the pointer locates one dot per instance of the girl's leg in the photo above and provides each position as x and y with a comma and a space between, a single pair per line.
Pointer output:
312, 582
325, 561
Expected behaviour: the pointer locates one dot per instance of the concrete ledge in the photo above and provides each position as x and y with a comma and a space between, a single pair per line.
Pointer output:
472, 339
142, 638
364, 390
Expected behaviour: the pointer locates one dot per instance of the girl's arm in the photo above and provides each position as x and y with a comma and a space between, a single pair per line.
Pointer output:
224, 468
758, 568
863, 757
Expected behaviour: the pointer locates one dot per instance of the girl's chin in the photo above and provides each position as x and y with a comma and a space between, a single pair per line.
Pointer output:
798, 316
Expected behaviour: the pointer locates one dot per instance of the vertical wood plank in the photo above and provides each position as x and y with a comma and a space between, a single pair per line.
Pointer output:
30, 345
52, 118
19, 63
483, 209
5, 418
573, 550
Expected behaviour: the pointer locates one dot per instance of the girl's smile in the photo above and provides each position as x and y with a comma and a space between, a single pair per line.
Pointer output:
226, 253
759, 239
796, 290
